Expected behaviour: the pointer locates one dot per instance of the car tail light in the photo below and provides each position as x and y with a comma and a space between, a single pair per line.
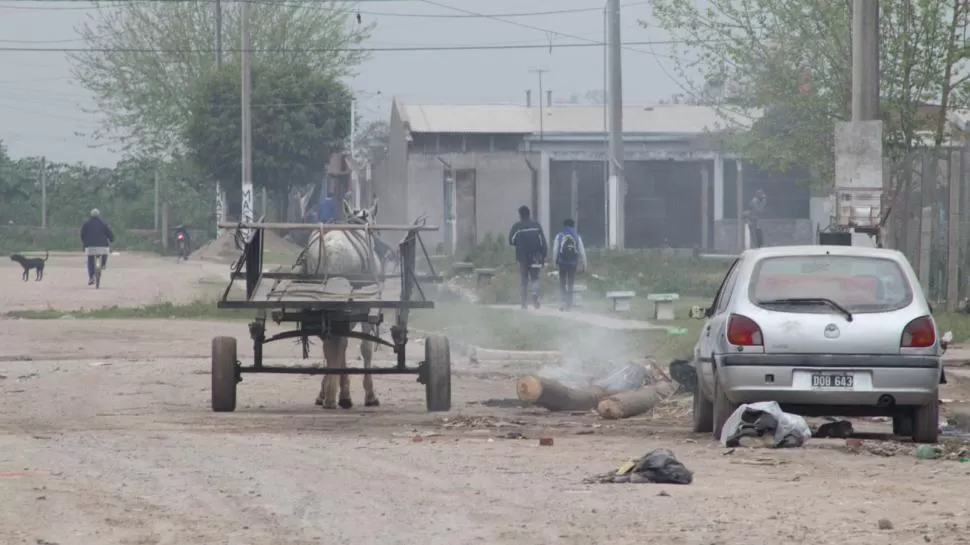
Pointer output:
920, 333
743, 331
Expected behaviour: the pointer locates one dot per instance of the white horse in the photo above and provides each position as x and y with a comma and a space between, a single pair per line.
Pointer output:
346, 253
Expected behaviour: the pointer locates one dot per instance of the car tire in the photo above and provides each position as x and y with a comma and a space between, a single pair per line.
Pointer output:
926, 423
903, 426
703, 413
723, 408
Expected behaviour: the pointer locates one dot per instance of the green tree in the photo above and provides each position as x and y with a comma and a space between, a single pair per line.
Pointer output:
143, 58
372, 141
299, 117
793, 59
16, 186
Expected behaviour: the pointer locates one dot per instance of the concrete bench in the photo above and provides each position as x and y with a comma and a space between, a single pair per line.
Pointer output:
484, 276
663, 305
622, 300
461, 267
578, 291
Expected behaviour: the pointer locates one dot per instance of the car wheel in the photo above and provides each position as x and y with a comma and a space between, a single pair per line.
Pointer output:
926, 423
703, 410
723, 408
903, 426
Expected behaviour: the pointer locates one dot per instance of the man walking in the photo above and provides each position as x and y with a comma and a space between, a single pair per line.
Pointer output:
569, 254
95, 233
529, 241
753, 214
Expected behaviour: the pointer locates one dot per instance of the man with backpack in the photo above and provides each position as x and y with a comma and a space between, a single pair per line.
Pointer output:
569, 254
529, 241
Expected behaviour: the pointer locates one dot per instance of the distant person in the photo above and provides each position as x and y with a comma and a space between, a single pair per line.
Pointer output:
530, 253
569, 255
755, 210
95, 233
329, 210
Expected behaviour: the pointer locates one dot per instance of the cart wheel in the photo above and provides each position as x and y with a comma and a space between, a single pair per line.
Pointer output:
437, 371
224, 376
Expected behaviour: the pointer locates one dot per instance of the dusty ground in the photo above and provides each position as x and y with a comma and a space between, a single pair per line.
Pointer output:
106, 438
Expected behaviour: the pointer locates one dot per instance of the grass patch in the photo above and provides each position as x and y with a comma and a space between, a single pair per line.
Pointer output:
201, 309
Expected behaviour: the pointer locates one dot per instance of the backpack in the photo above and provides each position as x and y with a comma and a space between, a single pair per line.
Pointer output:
568, 251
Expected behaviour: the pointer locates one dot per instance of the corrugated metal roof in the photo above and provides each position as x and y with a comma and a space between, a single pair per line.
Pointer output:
517, 119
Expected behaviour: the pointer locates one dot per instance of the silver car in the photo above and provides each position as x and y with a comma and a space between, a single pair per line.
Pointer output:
823, 331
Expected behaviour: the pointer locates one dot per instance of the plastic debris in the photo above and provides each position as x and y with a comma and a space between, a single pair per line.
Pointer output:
765, 419
659, 466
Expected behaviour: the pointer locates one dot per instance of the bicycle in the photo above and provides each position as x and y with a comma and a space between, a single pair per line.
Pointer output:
99, 252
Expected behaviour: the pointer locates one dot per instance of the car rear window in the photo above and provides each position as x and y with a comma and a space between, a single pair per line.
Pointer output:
860, 284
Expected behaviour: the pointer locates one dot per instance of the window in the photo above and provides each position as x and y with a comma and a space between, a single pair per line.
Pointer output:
478, 142
860, 284
427, 143
727, 288
506, 142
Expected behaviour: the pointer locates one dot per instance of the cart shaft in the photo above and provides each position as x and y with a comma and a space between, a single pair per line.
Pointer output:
326, 226
330, 371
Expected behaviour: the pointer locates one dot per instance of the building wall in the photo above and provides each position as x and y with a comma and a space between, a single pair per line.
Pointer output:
777, 232
504, 181
390, 179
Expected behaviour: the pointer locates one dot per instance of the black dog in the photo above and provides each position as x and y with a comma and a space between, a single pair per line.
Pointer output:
29, 263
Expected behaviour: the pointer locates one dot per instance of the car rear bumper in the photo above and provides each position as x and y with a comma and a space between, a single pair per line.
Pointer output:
786, 378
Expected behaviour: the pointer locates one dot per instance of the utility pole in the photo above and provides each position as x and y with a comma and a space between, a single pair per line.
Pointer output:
247, 129
156, 197
617, 183
540, 72
220, 197
354, 180
865, 60
43, 192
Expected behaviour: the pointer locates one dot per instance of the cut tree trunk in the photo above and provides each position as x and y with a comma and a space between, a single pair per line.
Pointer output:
554, 396
635, 402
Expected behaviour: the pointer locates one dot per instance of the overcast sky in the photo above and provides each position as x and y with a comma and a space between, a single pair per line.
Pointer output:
41, 108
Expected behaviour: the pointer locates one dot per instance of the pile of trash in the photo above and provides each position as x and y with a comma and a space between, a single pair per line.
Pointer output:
658, 466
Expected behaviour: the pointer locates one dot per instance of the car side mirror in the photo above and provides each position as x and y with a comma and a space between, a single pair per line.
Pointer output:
698, 313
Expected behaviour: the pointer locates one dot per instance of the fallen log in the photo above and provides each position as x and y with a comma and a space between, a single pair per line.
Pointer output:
635, 402
555, 396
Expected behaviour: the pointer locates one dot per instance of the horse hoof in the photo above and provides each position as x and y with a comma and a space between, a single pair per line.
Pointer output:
346, 403
318, 401
328, 406
372, 403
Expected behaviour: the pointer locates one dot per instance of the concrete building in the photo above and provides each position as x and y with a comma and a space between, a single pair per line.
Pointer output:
468, 168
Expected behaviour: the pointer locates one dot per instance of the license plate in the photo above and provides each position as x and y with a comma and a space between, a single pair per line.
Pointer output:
829, 380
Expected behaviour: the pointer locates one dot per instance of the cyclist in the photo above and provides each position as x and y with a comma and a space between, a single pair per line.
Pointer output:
182, 238
95, 233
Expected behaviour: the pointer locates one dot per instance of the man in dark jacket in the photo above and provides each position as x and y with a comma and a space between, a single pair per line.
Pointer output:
95, 233
530, 253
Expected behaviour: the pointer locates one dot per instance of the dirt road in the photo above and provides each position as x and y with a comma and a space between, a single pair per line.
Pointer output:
106, 438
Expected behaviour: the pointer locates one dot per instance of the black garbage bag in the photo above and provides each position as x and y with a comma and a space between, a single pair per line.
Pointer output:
684, 374
662, 467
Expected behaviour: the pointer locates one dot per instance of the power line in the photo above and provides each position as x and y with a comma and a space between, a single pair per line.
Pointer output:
548, 32
587, 42
292, 3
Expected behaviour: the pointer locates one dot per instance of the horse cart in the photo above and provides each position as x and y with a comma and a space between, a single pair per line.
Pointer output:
317, 310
